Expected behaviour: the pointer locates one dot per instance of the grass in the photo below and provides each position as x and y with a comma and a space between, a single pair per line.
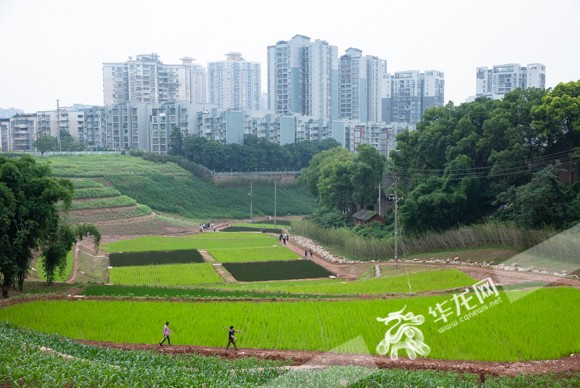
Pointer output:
57, 276
424, 281
120, 201
92, 269
276, 270
229, 235
506, 332
165, 275
253, 254
157, 243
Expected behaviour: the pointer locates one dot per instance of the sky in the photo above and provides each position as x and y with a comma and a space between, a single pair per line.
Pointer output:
54, 49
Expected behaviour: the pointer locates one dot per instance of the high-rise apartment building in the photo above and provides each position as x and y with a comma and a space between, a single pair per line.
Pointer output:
406, 95
501, 79
146, 79
303, 78
198, 85
235, 83
360, 86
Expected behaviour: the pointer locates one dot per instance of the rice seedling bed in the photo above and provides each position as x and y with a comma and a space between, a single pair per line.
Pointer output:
57, 275
232, 255
156, 243
507, 332
250, 229
165, 275
276, 270
128, 259
424, 281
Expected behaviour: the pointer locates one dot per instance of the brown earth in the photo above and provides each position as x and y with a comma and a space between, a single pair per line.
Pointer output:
313, 359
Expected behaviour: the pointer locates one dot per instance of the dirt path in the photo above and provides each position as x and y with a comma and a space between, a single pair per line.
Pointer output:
314, 359
337, 269
75, 265
207, 257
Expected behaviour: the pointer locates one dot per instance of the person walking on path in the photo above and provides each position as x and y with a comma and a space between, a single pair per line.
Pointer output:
305, 255
231, 337
280, 239
310, 256
166, 332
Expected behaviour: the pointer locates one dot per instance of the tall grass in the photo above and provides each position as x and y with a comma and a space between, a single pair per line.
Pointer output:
493, 234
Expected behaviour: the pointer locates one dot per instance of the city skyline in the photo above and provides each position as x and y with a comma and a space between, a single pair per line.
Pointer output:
447, 36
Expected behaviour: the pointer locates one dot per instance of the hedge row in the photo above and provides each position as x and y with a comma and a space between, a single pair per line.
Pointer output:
130, 259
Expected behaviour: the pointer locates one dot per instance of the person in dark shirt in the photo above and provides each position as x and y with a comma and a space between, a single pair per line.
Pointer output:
231, 337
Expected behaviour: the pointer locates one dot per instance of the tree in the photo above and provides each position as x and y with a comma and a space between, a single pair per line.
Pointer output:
30, 220
176, 145
44, 143
68, 142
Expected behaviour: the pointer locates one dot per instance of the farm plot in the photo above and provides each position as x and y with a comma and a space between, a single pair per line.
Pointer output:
95, 192
250, 229
110, 214
82, 183
506, 332
155, 243
128, 259
57, 277
232, 255
104, 203
165, 275
276, 270
229, 235
424, 281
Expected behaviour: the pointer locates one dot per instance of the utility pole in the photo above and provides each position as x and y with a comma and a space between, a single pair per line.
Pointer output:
380, 213
251, 195
58, 124
275, 180
396, 221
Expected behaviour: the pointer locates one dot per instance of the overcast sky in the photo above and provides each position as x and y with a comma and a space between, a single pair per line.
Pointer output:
54, 49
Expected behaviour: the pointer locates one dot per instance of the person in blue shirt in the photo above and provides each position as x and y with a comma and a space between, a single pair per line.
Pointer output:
231, 337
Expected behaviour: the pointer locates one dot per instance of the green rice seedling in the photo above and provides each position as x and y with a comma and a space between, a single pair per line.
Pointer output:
156, 243
169, 274
231, 255
507, 332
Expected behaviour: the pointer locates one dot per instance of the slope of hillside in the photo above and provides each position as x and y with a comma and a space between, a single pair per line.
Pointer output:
169, 188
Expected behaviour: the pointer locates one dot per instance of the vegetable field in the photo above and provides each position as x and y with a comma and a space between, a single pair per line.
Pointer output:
96, 193
169, 274
424, 281
110, 214
127, 259
121, 201
253, 254
276, 270
81, 183
507, 332
156, 243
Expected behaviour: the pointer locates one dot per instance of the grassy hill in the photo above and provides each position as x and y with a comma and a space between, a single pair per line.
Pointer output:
169, 188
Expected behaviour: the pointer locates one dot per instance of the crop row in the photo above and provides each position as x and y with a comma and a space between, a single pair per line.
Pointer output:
276, 270
507, 332
104, 367
114, 214
250, 229
101, 165
95, 192
104, 203
158, 243
424, 281
128, 259
57, 276
81, 183
179, 292
232, 255
169, 274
